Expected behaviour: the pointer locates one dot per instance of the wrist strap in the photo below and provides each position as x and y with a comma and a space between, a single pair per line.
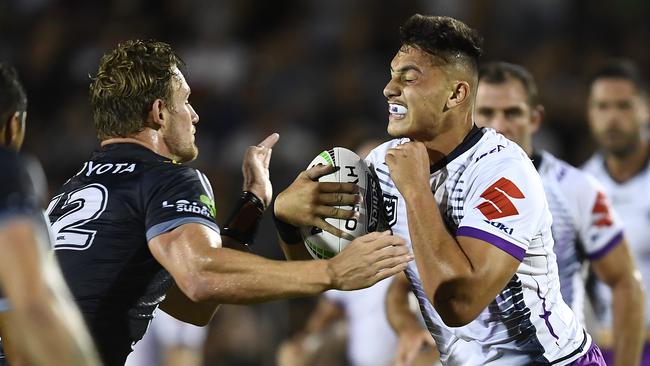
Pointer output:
288, 233
244, 219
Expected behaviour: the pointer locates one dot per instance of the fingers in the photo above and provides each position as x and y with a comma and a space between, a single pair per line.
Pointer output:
332, 187
335, 212
391, 251
320, 223
314, 173
269, 141
339, 199
390, 271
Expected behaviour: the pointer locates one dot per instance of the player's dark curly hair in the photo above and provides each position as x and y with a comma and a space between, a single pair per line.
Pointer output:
620, 68
501, 72
12, 95
129, 79
444, 37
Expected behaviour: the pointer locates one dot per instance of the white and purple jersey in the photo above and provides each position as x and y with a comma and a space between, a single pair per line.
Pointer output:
584, 227
487, 188
631, 202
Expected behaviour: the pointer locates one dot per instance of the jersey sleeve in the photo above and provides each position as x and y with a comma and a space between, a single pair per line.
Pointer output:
19, 194
504, 206
179, 195
599, 228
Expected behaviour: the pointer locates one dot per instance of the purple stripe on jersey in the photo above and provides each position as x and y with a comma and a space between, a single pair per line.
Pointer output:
497, 241
604, 250
593, 357
546, 314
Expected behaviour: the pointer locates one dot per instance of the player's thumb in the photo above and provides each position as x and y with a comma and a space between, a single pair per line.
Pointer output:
270, 140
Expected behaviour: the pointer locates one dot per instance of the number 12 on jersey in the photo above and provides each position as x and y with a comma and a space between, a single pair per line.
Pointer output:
75, 209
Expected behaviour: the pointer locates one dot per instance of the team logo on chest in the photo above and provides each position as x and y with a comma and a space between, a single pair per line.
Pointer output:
390, 202
497, 197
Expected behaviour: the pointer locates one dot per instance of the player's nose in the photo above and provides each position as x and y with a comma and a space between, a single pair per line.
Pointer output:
195, 116
391, 89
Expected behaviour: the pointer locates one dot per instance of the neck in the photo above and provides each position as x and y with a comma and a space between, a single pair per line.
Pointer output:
445, 142
148, 138
622, 168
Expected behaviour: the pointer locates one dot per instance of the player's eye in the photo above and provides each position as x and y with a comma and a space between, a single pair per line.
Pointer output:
624, 105
513, 113
409, 78
486, 113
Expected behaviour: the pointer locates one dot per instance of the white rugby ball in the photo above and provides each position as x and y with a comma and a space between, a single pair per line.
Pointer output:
323, 245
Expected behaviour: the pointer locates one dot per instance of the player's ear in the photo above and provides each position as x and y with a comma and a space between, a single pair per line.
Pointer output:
157, 114
536, 117
459, 94
14, 132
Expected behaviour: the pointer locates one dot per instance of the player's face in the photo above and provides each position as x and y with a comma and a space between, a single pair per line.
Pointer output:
617, 114
416, 94
178, 134
505, 108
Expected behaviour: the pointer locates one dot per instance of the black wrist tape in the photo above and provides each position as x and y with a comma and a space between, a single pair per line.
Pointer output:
287, 232
244, 219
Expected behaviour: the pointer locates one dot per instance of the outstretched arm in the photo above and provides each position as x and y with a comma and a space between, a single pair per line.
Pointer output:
44, 325
204, 271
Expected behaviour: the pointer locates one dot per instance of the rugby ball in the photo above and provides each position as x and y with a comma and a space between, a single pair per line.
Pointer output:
323, 245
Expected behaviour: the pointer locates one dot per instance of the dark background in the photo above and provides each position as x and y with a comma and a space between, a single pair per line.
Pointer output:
311, 70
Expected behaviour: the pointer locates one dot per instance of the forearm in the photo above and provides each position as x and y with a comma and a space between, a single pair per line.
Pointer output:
438, 255
629, 321
48, 330
44, 322
233, 277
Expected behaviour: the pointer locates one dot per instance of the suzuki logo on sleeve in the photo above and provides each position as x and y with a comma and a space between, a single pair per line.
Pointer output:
498, 204
601, 211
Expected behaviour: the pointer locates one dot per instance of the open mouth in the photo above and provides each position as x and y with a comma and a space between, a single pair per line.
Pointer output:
397, 111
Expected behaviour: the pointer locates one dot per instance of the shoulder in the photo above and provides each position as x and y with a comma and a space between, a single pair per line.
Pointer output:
594, 165
495, 155
167, 173
572, 181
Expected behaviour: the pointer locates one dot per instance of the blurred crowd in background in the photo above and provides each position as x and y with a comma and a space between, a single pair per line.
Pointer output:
312, 70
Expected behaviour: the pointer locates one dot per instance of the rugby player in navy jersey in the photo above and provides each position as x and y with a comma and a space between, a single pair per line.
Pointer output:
470, 204
135, 229
37, 314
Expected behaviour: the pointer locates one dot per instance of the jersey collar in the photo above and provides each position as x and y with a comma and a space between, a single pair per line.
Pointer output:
469, 141
536, 157
130, 151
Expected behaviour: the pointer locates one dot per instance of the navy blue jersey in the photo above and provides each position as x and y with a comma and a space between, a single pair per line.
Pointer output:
102, 220
21, 186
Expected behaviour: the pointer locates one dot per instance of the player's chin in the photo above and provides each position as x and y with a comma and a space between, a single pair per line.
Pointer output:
397, 127
189, 154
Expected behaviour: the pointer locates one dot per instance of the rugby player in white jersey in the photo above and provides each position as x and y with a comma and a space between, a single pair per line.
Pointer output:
584, 229
618, 118
472, 206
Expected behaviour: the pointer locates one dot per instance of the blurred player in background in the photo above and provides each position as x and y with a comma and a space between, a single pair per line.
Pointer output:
169, 342
37, 314
585, 229
618, 117
135, 229
473, 208
368, 337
